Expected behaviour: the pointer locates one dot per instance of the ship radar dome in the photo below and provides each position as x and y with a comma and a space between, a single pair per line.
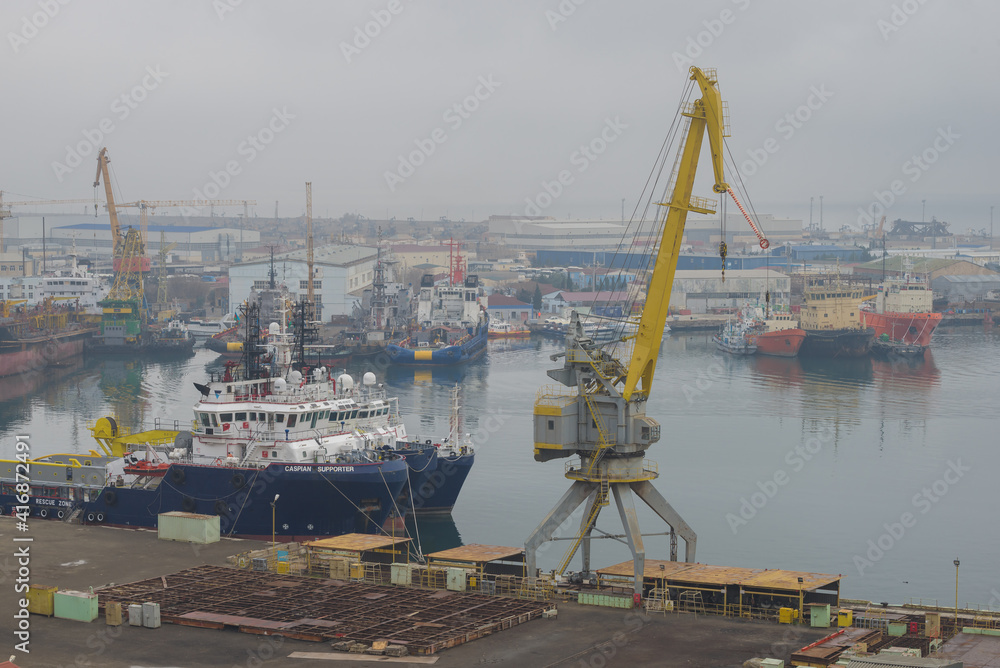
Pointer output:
274, 329
295, 377
345, 381
369, 379
279, 384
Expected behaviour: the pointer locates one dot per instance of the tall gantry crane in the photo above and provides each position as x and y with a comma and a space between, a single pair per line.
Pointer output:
600, 413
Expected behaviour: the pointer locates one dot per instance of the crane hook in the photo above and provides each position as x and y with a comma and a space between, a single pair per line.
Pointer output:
723, 251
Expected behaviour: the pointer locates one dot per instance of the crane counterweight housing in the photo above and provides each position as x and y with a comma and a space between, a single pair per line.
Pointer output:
597, 411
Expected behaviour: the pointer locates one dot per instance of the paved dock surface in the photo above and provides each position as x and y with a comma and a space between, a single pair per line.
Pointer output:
75, 557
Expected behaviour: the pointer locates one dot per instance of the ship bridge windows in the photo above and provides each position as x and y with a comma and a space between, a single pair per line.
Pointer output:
279, 417
215, 422
226, 417
204, 420
241, 417
315, 416
253, 416
354, 414
362, 415
291, 420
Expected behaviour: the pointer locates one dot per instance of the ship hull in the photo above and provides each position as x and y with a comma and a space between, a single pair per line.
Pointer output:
314, 500
837, 343
782, 343
435, 481
27, 355
469, 350
911, 328
227, 344
740, 347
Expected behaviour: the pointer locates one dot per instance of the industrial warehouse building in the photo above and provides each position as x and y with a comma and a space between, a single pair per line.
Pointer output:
548, 233
701, 291
92, 236
340, 275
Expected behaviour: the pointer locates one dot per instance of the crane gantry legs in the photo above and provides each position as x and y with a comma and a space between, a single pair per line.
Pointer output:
590, 491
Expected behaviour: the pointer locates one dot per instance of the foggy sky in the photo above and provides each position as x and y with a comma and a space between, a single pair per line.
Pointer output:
551, 77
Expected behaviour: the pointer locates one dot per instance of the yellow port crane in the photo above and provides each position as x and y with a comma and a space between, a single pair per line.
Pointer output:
599, 414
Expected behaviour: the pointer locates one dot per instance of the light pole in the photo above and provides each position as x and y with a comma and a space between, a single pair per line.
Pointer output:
273, 542
991, 228
800, 601
923, 208
956, 595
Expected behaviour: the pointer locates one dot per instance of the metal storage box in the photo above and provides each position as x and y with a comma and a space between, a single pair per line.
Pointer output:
400, 574
151, 615
845, 618
135, 615
340, 569
819, 615
456, 579
78, 605
40, 599
787, 615
188, 527
113, 614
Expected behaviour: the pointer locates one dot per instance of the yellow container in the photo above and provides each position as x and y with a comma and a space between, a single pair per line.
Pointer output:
357, 571
283, 567
845, 617
786, 615
113, 614
40, 599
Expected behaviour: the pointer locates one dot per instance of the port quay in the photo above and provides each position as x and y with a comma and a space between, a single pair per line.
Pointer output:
566, 335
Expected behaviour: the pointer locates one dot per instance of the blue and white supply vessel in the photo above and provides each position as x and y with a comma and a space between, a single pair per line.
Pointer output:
453, 325
300, 453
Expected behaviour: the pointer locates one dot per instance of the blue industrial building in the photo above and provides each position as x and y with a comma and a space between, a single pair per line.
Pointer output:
639, 261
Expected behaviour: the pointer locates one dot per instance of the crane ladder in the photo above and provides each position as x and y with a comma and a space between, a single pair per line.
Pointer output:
603, 443
603, 496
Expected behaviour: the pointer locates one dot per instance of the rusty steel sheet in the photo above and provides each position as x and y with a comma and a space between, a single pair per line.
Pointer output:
425, 621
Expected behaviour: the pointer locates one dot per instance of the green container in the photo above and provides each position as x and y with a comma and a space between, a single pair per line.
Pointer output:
77, 605
819, 616
188, 527
897, 629
456, 579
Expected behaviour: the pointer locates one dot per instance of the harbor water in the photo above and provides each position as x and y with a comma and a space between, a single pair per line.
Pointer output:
884, 472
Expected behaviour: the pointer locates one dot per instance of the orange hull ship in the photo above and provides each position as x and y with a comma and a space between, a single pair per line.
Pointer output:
781, 343
902, 310
777, 332
912, 328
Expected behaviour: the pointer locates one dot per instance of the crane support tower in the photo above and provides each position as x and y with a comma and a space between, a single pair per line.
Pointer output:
599, 413
310, 290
